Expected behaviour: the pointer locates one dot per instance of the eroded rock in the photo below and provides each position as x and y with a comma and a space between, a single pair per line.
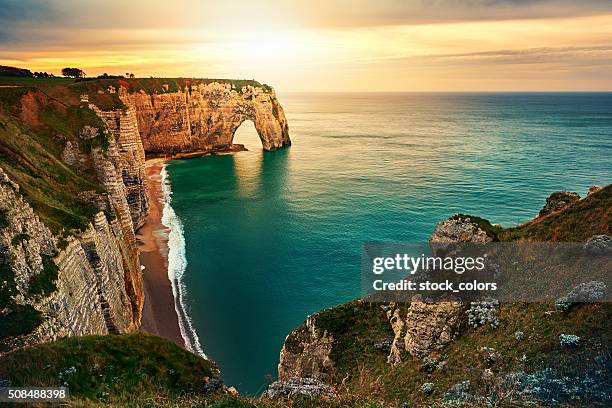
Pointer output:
306, 353
558, 201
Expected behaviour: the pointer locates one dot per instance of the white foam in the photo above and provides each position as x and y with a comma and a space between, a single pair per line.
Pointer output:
177, 263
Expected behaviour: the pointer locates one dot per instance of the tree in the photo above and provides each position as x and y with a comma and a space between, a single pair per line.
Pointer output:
73, 72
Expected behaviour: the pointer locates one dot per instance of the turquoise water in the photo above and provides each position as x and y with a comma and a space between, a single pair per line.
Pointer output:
272, 237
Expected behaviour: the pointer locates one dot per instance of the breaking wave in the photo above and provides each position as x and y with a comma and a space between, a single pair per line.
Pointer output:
177, 263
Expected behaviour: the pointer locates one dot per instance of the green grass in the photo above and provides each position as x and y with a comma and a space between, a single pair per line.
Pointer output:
130, 369
30, 154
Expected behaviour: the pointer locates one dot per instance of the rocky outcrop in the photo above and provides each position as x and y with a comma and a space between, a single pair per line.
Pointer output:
558, 201
205, 116
431, 326
73, 291
87, 280
462, 228
306, 353
398, 325
129, 159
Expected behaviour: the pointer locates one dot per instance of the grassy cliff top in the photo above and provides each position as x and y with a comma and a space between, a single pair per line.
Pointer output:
128, 368
34, 128
69, 90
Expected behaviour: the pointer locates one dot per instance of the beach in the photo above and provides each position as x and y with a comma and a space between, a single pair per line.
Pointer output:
159, 314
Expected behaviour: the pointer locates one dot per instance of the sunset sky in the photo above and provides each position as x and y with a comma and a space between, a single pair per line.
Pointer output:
323, 45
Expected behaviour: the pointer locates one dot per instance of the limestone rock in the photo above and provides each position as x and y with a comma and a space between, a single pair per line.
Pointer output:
206, 116
459, 228
72, 155
398, 325
292, 387
430, 326
594, 189
306, 353
558, 201
89, 132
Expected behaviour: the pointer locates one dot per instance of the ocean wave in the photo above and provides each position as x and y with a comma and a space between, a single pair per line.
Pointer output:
177, 263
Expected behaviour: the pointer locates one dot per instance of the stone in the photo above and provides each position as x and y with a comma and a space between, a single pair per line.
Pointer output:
427, 388
594, 189
558, 201
458, 229
292, 387
89, 132
599, 245
398, 325
431, 326
306, 353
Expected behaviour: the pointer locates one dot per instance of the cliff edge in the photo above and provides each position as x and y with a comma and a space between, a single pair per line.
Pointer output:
73, 189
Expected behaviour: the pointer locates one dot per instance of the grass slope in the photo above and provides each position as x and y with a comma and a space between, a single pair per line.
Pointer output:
114, 368
362, 371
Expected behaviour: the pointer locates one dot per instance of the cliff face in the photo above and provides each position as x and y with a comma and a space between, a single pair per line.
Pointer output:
67, 246
72, 191
206, 116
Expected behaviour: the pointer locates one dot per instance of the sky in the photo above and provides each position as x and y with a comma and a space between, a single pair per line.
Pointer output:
323, 45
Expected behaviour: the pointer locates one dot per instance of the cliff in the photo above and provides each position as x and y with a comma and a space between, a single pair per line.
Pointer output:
468, 354
67, 245
72, 190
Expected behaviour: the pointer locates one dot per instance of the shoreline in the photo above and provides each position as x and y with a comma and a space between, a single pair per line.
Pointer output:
159, 315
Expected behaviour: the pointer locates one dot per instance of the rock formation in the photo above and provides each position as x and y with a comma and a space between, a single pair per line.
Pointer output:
206, 116
306, 353
558, 201
74, 282
75, 291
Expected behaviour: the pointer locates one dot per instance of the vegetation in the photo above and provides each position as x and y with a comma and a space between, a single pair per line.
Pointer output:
578, 222
44, 283
19, 238
130, 369
15, 72
35, 127
73, 72
361, 370
4, 222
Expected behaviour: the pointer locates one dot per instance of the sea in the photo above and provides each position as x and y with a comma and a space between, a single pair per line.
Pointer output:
260, 240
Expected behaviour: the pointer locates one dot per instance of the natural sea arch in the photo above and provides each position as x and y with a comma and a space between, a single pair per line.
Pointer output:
246, 134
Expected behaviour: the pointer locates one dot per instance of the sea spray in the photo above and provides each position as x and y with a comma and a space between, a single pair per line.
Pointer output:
177, 263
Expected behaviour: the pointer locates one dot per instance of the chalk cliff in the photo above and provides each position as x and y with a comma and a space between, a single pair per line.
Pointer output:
206, 116
72, 191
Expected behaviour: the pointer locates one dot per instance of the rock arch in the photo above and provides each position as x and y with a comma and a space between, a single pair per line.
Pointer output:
205, 117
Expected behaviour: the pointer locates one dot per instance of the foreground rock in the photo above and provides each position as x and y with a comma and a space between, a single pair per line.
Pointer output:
462, 228
306, 353
307, 387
